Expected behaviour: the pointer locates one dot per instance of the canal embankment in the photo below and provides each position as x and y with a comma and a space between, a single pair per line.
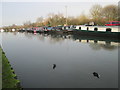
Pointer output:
9, 78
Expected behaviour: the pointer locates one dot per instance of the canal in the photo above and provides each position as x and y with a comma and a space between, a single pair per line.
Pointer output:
62, 60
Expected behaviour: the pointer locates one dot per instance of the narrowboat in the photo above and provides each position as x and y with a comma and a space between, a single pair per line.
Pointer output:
104, 31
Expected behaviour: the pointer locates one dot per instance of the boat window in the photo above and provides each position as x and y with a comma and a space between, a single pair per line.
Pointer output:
115, 22
108, 30
67, 27
74, 26
95, 29
108, 23
80, 28
87, 28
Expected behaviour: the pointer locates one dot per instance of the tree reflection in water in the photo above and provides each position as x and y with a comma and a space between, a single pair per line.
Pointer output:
94, 42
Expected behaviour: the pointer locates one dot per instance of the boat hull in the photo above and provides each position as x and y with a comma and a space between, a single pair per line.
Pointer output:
98, 33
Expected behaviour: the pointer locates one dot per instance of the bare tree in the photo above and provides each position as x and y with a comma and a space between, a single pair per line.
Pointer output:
96, 13
55, 19
83, 19
118, 11
39, 20
110, 12
27, 24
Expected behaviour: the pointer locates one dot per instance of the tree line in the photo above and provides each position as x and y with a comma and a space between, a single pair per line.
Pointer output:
97, 14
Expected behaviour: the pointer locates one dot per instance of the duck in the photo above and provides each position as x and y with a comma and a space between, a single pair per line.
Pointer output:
54, 66
96, 74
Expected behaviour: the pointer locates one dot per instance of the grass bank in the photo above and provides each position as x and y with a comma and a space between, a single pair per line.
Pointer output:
9, 78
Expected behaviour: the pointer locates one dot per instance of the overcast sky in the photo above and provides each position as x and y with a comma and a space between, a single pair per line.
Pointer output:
14, 12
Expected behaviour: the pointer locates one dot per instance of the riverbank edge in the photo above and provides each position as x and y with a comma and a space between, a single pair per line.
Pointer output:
9, 78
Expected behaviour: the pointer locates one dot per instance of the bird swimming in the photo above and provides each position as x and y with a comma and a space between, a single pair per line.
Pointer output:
54, 66
96, 74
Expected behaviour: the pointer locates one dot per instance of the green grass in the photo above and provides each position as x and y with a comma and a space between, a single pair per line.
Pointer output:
0, 69
8, 77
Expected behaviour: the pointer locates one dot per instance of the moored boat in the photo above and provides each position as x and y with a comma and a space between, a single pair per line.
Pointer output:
105, 31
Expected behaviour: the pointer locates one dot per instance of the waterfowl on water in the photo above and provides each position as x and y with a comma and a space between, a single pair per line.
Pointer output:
54, 66
96, 74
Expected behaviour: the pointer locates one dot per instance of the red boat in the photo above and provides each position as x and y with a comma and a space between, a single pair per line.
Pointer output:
113, 23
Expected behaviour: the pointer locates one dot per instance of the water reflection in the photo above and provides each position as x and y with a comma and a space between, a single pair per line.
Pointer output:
62, 60
28, 35
94, 42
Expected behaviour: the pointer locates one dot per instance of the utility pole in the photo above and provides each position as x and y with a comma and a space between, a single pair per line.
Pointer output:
66, 15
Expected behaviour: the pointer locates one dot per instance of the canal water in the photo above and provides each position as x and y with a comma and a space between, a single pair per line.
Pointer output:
62, 60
